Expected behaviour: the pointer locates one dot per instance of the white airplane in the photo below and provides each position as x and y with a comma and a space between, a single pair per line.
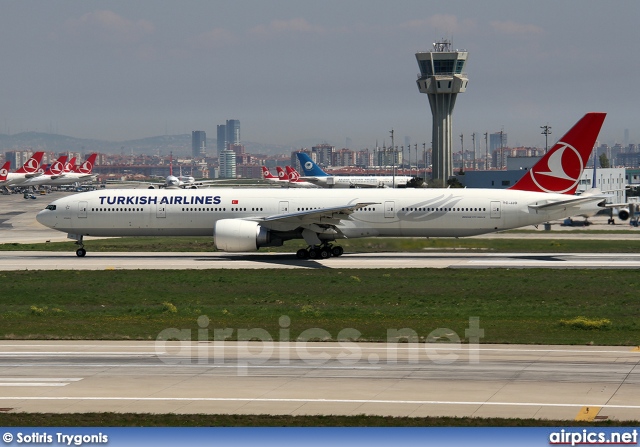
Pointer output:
52, 172
75, 174
267, 175
290, 178
28, 170
314, 174
296, 181
245, 219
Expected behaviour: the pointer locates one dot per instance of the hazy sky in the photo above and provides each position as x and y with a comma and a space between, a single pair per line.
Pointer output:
296, 71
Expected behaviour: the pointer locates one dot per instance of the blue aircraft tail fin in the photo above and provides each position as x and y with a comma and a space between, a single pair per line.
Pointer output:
309, 167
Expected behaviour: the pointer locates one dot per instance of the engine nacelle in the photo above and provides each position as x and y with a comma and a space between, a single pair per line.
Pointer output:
239, 235
623, 214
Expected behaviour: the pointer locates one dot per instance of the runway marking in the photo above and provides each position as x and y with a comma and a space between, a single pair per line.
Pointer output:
292, 346
202, 365
587, 414
311, 400
36, 381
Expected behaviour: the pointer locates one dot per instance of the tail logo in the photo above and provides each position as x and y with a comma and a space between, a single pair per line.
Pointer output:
31, 165
556, 179
3, 172
308, 165
56, 168
281, 174
86, 167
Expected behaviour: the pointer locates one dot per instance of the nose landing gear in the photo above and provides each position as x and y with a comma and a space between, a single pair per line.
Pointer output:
323, 251
80, 252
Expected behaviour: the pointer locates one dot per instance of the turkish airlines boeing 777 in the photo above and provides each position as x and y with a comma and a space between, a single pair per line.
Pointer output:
246, 219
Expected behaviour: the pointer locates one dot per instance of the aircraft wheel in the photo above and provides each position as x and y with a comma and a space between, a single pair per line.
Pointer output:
325, 253
337, 251
314, 253
81, 252
302, 254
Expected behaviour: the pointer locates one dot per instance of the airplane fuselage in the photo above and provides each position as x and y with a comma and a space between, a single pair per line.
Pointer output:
397, 213
363, 181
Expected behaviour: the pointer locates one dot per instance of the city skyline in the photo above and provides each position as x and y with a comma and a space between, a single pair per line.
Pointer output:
295, 73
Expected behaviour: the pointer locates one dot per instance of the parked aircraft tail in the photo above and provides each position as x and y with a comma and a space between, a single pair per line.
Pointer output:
309, 168
4, 171
294, 176
282, 174
57, 167
87, 166
267, 175
70, 166
32, 164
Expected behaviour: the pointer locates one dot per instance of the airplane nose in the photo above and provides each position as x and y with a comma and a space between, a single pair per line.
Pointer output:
45, 217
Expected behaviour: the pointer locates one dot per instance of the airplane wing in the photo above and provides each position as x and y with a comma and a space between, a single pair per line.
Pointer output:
311, 179
210, 182
615, 205
365, 185
570, 202
325, 217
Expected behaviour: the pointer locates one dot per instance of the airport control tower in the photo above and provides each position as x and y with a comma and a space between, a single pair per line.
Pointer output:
442, 77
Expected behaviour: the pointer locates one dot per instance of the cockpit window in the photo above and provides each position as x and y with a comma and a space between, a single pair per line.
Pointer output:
51, 207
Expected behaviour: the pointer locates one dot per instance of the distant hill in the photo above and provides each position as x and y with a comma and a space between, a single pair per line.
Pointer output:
180, 145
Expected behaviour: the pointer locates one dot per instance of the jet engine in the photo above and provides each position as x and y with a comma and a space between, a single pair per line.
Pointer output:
239, 235
623, 214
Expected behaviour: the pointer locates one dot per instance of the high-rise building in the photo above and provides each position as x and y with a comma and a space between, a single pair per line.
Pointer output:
233, 132
227, 161
18, 158
198, 144
324, 154
227, 135
221, 138
442, 77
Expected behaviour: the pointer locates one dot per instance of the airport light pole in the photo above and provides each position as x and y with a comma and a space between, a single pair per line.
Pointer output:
486, 151
473, 144
546, 131
424, 152
393, 156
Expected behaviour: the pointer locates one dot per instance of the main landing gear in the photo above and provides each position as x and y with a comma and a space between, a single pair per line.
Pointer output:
323, 251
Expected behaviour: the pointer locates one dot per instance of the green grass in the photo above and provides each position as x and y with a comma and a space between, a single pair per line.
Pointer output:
514, 306
367, 245
231, 420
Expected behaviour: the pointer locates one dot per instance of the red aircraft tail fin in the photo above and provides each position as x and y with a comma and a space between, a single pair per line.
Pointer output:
559, 171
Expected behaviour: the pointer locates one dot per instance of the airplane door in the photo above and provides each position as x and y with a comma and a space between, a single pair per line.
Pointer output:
283, 207
389, 208
82, 209
495, 210
161, 210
